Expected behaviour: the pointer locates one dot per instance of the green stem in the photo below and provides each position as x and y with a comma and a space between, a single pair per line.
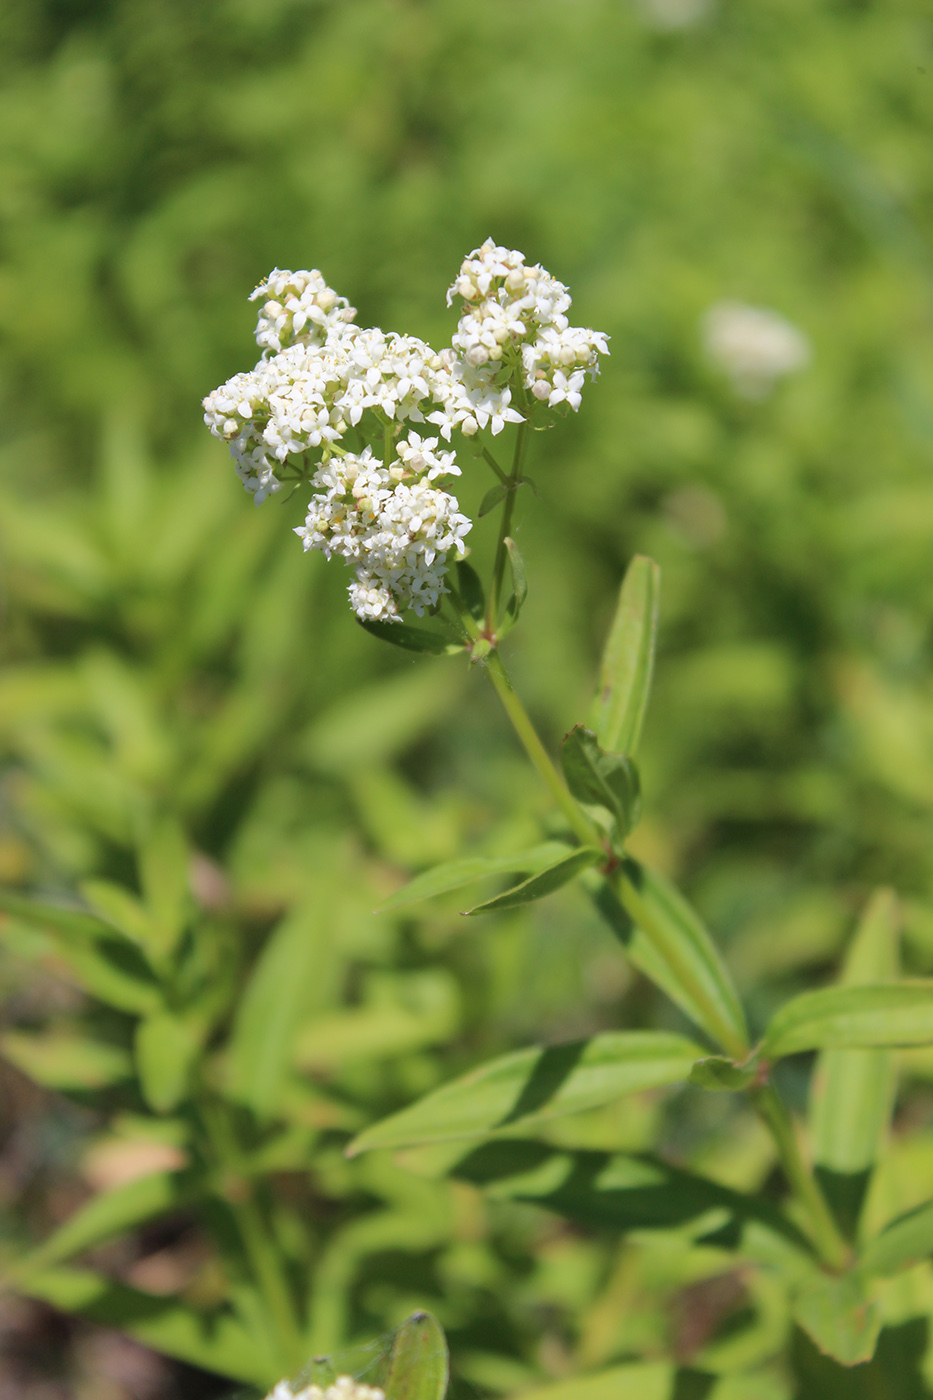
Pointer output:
826, 1235
491, 461
260, 1249
671, 951
505, 526
536, 751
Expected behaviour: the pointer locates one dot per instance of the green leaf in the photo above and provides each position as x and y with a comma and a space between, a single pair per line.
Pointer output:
471, 590
418, 1366
852, 1091
537, 1084
455, 874
112, 1213
842, 1321
519, 589
849, 1018
74, 924
411, 638
119, 908
215, 1341
163, 870
618, 708
665, 938
903, 1243
273, 1007
719, 1073
634, 1193
633, 1380
66, 1060
493, 496
100, 956
166, 1049
544, 883
606, 781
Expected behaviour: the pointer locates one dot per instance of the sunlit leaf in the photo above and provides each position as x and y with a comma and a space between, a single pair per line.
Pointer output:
215, 1341
634, 1193
890, 1014
843, 1322
665, 937
273, 1006
634, 1380
455, 874
66, 1060
545, 882
540, 1083
163, 868
903, 1243
112, 1213
618, 709
718, 1073
166, 1048
852, 1091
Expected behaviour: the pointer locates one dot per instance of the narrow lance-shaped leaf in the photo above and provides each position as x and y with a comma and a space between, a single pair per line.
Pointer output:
852, 1091
839, 1317
635, 1193
66, 1060
411, 638
628, 660
471, 590
606, 781
665, 937
545, 882
112, 1213
633, 1380
166, 1049
455, 874
215, 1341
892, 1014
493, 496
903, 1243
417, 1367
519, 589
273, 1006
163, 869
540, 1083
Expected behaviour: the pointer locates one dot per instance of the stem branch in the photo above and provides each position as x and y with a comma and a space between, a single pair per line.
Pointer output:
825, 1232
505, 525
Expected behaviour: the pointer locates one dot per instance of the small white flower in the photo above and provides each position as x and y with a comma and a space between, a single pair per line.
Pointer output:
754, 346
343, 1388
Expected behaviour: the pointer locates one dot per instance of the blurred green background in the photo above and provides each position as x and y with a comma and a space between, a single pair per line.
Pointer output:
167, 647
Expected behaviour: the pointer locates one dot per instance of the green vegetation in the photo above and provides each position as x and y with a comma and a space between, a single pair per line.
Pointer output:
212, 776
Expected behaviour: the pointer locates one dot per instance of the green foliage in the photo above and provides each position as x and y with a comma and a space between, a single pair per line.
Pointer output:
230, 778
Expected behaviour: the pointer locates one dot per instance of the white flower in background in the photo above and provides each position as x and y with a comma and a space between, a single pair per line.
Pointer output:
674, 14
343, 1388
755, 347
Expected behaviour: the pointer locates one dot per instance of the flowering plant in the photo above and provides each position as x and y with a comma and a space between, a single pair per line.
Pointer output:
357, 416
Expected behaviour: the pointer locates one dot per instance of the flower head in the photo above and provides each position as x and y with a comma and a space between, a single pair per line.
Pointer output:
343, 1388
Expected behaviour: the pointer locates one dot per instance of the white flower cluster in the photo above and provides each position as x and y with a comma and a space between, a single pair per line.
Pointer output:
753, 346
391, 523
298, 306
320, 374
343, 1388
514, 309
